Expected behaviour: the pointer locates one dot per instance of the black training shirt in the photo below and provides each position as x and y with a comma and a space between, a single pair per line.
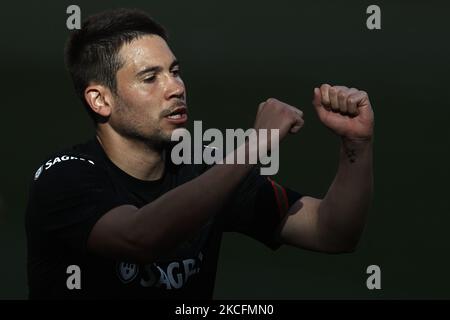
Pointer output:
75, 187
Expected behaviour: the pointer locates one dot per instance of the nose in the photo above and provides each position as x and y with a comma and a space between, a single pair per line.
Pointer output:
174, 88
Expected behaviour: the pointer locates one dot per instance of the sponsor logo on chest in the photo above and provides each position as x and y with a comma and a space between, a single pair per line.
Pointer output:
172, 275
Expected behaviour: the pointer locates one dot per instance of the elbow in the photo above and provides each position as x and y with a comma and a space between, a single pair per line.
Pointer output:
138, 251
141, 252
342, 240
342, 245
351, 248
141, 245
348, 245
340, 249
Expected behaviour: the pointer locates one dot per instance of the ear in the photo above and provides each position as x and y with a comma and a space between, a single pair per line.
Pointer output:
99, 99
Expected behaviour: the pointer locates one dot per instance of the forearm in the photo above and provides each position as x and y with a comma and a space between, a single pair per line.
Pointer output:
343, 210
175, 216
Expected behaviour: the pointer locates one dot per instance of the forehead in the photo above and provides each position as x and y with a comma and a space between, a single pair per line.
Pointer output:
150, 50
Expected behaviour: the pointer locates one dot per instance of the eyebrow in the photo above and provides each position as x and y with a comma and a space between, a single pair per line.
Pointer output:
174, 63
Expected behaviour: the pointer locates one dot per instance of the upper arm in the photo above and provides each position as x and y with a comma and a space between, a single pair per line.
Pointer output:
303, 228
300, 227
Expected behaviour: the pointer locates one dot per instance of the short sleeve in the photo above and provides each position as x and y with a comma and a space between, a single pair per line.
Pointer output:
67, 199
258, 207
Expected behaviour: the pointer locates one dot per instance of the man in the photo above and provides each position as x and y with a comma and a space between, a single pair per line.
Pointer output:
115, 218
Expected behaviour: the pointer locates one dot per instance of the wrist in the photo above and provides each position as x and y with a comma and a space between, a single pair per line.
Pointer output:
353, 149
356, 142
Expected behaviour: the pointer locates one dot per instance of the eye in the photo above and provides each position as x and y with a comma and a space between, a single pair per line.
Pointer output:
176, 72
150, 79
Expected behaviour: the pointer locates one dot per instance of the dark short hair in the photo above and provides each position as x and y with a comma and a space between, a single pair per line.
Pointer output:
91, 53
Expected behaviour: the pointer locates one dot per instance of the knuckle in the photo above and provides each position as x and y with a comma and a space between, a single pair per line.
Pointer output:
272, 100
342, 94
285, 109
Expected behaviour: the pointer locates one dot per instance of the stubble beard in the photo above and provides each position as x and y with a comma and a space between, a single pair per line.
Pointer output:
130, 127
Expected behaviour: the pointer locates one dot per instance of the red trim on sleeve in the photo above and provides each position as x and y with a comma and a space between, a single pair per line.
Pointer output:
286, 201
280, 208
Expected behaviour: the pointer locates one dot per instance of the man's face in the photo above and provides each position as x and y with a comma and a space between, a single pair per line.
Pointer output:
151, 99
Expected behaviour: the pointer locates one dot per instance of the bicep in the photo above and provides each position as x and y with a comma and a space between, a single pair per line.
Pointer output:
300, 227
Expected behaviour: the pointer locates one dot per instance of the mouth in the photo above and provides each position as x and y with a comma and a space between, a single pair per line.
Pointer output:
178, 115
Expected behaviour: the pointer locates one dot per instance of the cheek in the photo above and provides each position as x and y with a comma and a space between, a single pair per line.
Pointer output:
144, 103
144, 100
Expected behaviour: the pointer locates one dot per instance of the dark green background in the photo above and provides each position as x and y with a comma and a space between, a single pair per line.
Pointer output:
234, 55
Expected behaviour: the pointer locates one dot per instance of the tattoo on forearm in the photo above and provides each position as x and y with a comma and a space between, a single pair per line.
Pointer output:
351, 154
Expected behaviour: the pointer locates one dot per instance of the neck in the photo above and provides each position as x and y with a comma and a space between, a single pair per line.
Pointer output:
134, 157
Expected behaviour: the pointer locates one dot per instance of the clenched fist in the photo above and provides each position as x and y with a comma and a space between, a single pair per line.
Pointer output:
346, 111
274, 114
